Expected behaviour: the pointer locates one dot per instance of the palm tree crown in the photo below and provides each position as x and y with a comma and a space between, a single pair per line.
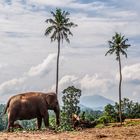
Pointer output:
59, 26
118, 45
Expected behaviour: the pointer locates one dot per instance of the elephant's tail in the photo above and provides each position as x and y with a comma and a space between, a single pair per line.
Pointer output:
7, 106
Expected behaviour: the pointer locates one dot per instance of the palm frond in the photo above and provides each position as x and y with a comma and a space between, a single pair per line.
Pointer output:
65, 14
51, 21
66, 20
110, 51
49, 30
123, 53
66, 37
53, 14
111, 44
70, 24
54, 36
62, 36
67, 30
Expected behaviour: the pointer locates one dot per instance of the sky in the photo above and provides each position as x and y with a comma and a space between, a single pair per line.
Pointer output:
28, 57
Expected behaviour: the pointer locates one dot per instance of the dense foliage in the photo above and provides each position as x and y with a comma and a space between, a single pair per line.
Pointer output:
130, 110
71, 96
91, 115
3, 119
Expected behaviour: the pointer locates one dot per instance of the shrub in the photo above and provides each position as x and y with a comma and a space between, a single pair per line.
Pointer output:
71, 96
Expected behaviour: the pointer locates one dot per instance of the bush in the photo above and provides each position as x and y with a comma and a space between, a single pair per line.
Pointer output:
105, 119
70, 98
92, 115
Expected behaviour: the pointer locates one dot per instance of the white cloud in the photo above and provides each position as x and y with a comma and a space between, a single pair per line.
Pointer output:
44, 67
2, 65
11, 85
23, 44
136, 94
89, 84
68, 80
124, 14
131, 73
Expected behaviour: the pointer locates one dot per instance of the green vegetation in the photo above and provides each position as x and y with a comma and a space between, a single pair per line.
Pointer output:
28, 124
130, 110
3, 119
71, 96
59, 27
132, 123
92, 115
118, 46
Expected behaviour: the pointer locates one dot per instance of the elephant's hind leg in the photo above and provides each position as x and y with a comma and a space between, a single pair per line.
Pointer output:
39, 122
10, 122
10, 125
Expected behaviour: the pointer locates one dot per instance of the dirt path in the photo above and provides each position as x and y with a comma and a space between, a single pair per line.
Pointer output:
112, 133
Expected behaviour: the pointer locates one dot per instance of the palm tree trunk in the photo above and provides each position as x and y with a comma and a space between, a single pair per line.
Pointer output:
57, 67
120, 83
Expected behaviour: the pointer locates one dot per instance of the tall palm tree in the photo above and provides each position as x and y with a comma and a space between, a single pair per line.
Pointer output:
118, 46
59, 30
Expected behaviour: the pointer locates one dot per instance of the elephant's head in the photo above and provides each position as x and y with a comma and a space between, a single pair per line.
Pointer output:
52, 103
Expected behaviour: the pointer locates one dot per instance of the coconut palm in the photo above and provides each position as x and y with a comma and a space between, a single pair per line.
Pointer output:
118, 46
59, 30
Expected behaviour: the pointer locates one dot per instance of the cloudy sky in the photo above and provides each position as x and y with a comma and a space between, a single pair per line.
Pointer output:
28, 58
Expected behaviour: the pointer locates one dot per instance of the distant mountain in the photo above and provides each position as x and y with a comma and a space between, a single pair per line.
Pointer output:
95, 102
84, 108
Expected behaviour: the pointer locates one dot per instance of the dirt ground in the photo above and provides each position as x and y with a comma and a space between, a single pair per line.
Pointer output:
108, 133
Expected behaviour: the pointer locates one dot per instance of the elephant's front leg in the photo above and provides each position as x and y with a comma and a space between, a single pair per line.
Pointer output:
39, 122
46, 119
57, 113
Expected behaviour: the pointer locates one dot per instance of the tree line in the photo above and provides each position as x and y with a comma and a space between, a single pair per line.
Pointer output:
130, 110
71, 99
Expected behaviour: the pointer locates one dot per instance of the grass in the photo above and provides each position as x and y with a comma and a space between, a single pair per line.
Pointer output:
132, 123
100, 126
126, 123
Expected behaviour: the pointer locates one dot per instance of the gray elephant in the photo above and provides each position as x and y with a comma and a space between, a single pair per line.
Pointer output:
32, 105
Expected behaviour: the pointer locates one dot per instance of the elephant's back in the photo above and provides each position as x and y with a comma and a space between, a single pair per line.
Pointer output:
25, 98
28, 95
26, 105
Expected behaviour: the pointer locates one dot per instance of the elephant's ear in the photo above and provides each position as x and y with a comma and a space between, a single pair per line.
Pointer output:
47, 99
50, 97
51, 100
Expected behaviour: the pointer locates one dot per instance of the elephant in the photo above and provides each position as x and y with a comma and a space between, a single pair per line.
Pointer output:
30, 105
